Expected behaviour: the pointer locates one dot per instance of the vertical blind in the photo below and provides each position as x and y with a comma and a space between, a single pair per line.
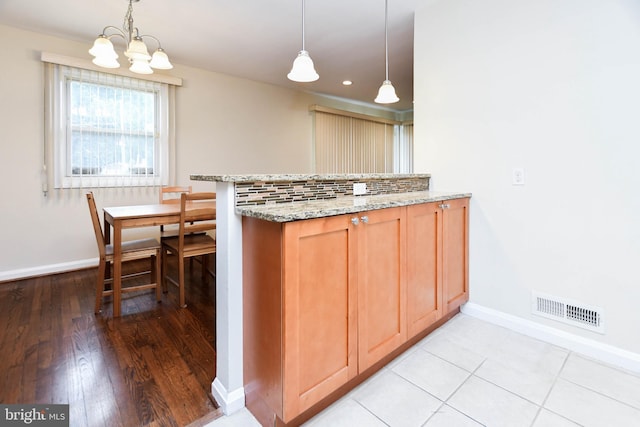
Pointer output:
404, 149
112, 130
346, 143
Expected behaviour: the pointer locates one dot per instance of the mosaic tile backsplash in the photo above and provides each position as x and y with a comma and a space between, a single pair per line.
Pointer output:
273, 192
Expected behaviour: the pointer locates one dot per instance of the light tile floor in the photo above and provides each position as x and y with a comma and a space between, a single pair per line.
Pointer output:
473, 373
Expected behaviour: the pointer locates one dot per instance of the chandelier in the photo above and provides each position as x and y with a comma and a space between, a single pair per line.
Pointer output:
137, 53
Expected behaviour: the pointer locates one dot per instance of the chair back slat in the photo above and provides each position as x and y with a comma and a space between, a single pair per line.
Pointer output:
199, 214
199, 227
171, 194
97, 228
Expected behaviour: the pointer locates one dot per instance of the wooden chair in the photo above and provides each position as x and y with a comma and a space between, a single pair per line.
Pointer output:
192, 239
171, 194
131, 250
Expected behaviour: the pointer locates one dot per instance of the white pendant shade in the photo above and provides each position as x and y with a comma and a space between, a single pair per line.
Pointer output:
106, 62
137, 50
303, 70
160, 60
105, 54
140, 66
387, 94
103, 48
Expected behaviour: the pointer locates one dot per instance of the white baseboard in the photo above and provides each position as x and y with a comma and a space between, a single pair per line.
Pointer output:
591, 348
229, 401
41, 270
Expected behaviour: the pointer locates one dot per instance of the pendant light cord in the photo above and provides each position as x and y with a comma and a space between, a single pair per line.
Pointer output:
386, 43
303, 24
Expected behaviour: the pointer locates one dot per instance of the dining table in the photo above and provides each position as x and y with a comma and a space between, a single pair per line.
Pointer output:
118, 218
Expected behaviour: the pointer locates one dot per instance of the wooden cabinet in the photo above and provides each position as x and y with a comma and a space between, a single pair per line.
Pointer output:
327, 298
424, 272
319, 315
437, 261
381, 284
300, 322
455, 253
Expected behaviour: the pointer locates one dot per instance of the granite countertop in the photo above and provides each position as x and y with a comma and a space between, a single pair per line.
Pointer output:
285, 212
301, 177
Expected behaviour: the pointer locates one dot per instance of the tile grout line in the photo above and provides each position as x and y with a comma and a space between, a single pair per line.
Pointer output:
555, 380
443, 402
595, 390
471, 374
367, 409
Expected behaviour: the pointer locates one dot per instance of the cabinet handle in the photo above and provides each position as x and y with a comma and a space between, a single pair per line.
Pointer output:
444, 206
355, 221
364, 219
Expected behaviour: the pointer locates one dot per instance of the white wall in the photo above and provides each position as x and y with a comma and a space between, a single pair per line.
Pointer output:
224, 125
551, 86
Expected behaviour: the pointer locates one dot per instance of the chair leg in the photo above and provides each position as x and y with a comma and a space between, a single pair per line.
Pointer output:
205, 266
181, 281
156, 274
100, 284
164, 256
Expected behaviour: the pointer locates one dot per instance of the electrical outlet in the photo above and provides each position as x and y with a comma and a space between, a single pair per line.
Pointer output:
518, 176
359, 188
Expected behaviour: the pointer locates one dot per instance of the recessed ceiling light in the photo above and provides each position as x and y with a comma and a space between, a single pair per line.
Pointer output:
347, 82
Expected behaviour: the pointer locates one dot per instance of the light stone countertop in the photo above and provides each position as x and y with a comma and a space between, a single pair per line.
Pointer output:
302, 177
285, 212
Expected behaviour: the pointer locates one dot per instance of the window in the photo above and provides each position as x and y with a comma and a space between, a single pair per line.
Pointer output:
354, 143
106, 130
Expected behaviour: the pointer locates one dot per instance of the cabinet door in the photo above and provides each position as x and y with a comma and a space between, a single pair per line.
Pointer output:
424, 261
381, 284
319, 310
455, 253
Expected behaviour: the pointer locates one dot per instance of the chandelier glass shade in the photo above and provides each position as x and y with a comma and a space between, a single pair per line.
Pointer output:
137, 53
303, 69
386, 93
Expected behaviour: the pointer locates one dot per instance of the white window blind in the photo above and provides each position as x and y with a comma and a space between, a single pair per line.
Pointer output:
105, 129
353, 143
404, 149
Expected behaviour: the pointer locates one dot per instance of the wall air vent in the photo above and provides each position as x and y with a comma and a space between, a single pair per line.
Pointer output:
569, 312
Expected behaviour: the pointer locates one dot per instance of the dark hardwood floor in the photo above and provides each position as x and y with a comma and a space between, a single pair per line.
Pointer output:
152, 366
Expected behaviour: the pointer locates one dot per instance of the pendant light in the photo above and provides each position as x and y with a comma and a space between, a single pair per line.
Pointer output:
386, 93
302, 70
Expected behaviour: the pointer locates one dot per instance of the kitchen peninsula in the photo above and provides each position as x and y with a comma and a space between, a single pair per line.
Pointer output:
317, 288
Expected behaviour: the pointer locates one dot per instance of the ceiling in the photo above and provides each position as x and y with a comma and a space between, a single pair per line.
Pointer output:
254, 39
